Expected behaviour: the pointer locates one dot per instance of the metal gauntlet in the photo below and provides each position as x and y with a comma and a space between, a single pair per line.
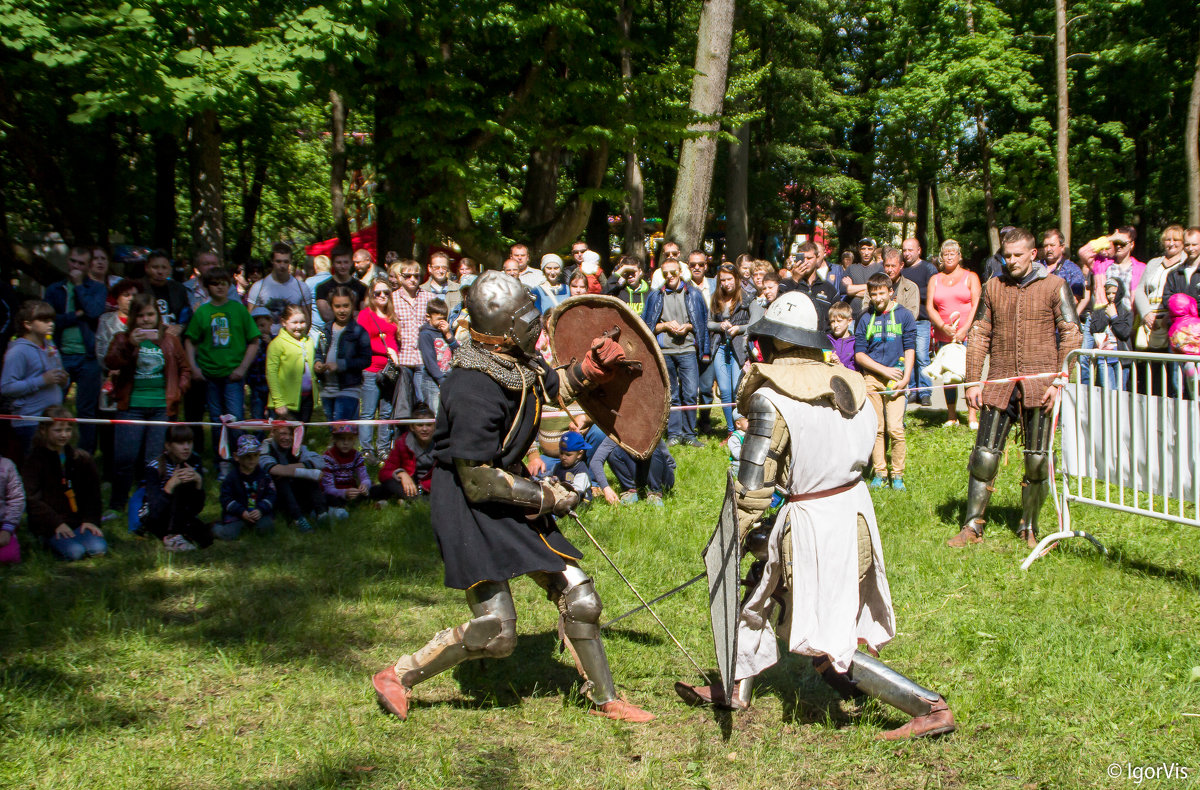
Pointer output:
484, 483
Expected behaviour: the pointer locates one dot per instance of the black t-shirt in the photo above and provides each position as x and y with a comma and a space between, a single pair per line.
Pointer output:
172, 301
359, 288
822, 294
919, 273
859, 274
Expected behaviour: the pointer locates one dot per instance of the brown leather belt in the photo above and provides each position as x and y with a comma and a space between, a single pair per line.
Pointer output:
826, 493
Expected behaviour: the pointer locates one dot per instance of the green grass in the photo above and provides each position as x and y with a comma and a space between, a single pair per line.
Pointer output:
249, 664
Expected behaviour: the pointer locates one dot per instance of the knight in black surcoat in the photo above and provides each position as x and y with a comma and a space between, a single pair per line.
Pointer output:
492, 521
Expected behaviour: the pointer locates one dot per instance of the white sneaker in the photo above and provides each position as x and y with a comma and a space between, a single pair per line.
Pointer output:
339, 513
178, 543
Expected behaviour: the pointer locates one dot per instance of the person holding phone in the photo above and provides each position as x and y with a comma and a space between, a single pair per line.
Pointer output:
151, 375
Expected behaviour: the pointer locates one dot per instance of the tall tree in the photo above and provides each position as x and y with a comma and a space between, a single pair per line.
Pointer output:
1192, 147
689, 205
1062, 154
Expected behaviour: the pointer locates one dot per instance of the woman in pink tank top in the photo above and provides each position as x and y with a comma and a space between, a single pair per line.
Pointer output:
952, 299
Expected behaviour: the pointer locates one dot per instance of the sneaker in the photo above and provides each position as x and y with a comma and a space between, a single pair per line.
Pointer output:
224, 469
369, 458
674, 441
110, 515
339, 513
324, 517
878, 482
655, 498
178, 543
898, 484
926, 401
951, 424
629, 497
693, 442
974, 426
303, 525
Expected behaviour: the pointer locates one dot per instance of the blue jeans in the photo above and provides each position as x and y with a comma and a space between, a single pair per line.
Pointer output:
225, 397
923, 336
340, 408
85, 374
726, 370
427, 390
684, 372
130, 441
1112, 374
230, 527
374, 438
74, 548
258, 403
658, 472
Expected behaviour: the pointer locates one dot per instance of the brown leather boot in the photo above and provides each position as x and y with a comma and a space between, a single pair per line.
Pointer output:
707, 695
392, 694
966, 536
939, 721
621, 710
1029, 536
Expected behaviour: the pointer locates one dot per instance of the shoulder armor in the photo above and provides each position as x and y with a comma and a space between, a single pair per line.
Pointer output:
762, 416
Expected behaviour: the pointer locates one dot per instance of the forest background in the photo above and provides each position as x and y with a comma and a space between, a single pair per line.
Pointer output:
231, 125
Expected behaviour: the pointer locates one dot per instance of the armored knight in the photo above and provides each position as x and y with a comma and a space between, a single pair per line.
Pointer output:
1027, 324
819, 576
492, 522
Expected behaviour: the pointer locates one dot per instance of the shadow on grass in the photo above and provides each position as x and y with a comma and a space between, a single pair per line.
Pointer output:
535, 668
279, 599
74, 711
952, 511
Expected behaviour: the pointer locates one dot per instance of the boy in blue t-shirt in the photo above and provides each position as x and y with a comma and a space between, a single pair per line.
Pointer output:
885, 343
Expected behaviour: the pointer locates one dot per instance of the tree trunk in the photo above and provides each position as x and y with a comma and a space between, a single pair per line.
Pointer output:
1060, 64
393, 224
985, 151
597, 233
635, 187
539, 198
166, 217
737, 195
250, 205
207, 196
689, 205
1192, 147
921, 232
337, 167
937, 213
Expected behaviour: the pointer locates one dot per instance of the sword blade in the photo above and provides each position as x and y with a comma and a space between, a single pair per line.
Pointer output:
629, 584
662, 597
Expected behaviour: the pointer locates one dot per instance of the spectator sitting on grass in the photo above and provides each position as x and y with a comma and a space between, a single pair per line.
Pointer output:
345, 477
295, 472
174, 486
62, 490
247, 495
408, 471
12, 507
572, 466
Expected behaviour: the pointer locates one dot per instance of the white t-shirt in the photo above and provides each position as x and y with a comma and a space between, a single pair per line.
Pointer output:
274, 295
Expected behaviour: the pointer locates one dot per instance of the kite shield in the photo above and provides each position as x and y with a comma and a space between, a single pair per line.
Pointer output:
632, 407
722, 559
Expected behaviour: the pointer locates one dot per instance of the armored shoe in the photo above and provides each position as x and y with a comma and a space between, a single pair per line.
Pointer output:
965, 537
706, 695
620, 710
392, 694
1029, 536
939, 721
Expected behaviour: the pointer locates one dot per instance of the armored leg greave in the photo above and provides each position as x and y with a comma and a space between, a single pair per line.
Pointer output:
871, 676
984, 463
492, 633
579, 626
1038, 427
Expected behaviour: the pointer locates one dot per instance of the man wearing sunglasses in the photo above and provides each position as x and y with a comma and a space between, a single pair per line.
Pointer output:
439, 283
410, 303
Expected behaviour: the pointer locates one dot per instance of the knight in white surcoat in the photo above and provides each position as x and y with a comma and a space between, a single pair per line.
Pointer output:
818, 582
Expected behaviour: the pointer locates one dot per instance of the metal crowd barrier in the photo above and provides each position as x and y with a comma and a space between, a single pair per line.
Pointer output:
1131, 448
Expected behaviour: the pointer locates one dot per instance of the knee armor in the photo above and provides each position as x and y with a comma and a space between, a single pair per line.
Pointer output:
580, 607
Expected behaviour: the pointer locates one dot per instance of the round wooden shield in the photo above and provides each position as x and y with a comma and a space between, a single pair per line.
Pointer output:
632, 407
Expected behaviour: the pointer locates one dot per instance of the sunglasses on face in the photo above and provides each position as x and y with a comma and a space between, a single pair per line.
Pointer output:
382, 293
1120, 245
408, 275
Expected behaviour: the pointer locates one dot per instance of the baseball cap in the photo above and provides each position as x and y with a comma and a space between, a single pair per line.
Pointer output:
260, 312
572, 441
247, 445
867, 241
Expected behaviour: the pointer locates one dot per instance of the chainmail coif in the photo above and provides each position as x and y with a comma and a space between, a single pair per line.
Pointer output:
512, 374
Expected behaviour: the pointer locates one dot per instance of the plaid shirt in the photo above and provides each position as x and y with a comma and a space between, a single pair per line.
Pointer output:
410, 314
1026, 331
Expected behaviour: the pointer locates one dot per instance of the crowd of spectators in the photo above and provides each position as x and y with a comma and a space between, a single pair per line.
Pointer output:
360, 340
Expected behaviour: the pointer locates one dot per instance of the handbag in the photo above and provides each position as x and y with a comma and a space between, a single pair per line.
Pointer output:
387, 378
949, 364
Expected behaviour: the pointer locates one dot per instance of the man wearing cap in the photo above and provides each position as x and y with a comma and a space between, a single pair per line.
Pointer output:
854, 281
820, 563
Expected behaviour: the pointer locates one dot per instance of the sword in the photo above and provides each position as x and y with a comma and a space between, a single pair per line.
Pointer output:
662, 597
645, 605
